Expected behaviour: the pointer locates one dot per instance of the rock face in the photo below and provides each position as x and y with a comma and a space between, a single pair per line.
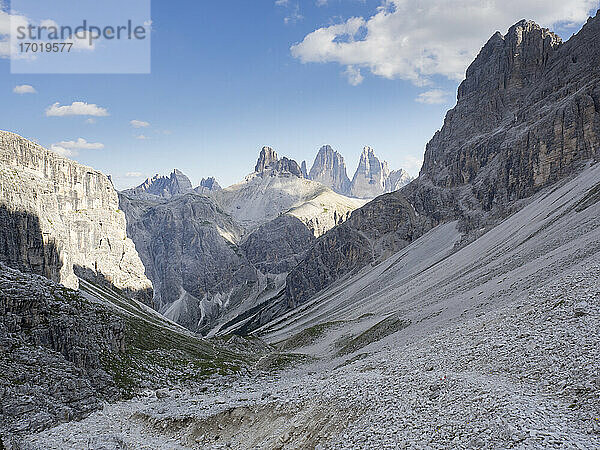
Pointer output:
208, 185
279, 245
53, 342
278, 187
396, 180
166, 187
369, 181
528, 115
269, 163
65, 353
62, 220
303, 169
329, 169
188, 246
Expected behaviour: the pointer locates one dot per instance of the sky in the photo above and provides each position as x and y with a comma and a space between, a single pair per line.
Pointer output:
227, 78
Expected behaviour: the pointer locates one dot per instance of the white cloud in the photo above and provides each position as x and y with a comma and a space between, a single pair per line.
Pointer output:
142, 137
321, 2
354, 76
417, 39
81, 144
9, 24
139, 124
62, 151
76, 109
133, 174
24, 89
434, 97
282, 2
69, 149
90, 121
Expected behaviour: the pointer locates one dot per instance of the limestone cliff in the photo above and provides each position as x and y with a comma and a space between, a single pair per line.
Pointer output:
62, 220
528, 115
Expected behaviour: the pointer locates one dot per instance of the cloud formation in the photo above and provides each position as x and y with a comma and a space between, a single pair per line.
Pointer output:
434, 97
139, 124
415, 40
70, 149
133, 174
24, 89
76, 109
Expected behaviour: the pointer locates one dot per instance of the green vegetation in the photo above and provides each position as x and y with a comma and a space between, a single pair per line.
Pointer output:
386, 327
308, 336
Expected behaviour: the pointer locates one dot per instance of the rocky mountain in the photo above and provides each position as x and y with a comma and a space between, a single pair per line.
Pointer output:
527, 116
214, 257
269, 163
396, 180
62, 220
370, 177
162, 186
329, 169
65, 353
278, 187
303, 169
208, 185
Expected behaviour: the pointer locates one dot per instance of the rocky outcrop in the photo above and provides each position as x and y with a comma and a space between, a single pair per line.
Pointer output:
396, 180
53, 347
528, 115
279, 245
370, 176
62, 220
188, 245
208, 185
329, 169
161, 186
278, 188
303, 169
269, 163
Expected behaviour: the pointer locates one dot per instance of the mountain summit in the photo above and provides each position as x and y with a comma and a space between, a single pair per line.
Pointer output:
329, 169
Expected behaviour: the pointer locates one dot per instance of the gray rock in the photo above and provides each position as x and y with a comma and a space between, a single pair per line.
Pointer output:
208, 185
527, 116
61, 219
370, 177
329, 169
279, 245
160, 186
268, 162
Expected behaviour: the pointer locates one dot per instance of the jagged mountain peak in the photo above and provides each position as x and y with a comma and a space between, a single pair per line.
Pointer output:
329, 169
269, 162
164, 186
371, 175
210, 183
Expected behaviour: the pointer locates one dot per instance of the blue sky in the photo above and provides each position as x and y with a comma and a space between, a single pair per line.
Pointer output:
226, 79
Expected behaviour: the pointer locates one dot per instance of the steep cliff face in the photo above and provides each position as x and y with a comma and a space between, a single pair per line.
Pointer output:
329, 169
188, 246
277, 246
269, 163
370, 176
62, 220
528, 115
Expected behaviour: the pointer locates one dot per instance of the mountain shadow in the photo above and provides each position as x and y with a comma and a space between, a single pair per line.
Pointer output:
23, 245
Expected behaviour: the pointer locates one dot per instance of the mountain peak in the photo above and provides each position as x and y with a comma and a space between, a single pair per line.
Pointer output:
329, 169
268, 161
162, 186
